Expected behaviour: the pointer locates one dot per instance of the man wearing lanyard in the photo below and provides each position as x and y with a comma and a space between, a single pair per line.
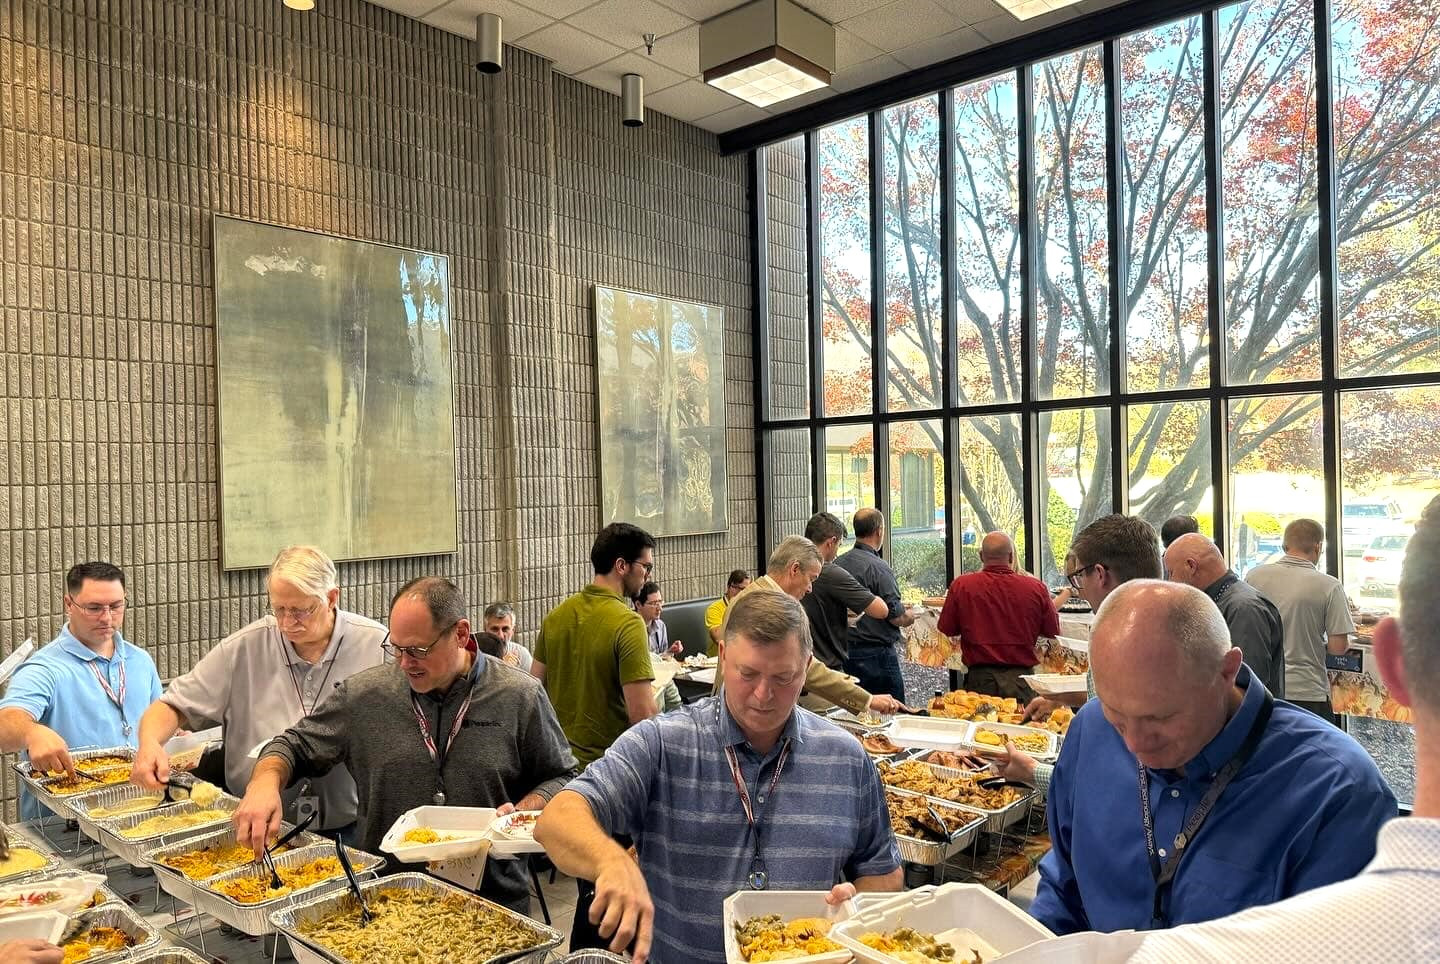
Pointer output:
1185, 791
439, 726
266, 677
88, 688
739, 790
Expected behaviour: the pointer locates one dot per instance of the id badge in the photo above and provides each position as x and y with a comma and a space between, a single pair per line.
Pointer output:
305, 805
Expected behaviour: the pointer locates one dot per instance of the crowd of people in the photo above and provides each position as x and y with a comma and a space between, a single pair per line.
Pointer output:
1202, 776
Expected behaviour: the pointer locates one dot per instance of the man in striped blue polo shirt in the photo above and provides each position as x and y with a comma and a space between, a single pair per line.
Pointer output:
741, 790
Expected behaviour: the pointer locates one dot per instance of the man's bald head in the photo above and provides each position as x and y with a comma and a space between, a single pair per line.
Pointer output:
1195, 561
996, 547
1161, 621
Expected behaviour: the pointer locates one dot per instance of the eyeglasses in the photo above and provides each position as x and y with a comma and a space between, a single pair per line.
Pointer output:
96, 610
414, 652
283, 613
649, 567
1074, 577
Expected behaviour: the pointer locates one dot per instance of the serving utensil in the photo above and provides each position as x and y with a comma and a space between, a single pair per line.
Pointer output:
268, 861
948, 834
293, 832
365, 916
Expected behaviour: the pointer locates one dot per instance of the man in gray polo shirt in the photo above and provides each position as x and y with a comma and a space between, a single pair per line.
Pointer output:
1313, 611
268, 676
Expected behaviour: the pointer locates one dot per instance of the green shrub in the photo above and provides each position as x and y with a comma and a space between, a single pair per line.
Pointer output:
919, 560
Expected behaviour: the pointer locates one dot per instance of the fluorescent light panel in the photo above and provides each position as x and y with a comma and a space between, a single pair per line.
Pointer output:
767, 52
768, 82
1026, 9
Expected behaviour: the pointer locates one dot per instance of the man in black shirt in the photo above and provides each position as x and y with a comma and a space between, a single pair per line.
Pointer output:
872, 657
835, 594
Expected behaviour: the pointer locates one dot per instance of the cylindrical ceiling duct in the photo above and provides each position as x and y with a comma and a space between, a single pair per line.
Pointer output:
632, 100
489, 50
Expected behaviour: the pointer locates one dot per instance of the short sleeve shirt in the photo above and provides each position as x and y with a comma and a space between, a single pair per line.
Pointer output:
714, 619
1312, 607
591, 645
834, 595
998, 614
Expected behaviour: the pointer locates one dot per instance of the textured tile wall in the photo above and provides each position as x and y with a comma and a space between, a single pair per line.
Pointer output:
124, 128
787, 273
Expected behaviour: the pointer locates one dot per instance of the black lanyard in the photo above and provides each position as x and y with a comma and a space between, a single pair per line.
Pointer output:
304, 710
1165, 875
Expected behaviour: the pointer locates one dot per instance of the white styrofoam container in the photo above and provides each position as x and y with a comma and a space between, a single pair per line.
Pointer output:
1015, 729
789, 904
40, 925
929, 732
1056, 684
470, 824
966, 915
1087, 947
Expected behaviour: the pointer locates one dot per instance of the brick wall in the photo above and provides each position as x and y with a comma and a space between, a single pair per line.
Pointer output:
124, 128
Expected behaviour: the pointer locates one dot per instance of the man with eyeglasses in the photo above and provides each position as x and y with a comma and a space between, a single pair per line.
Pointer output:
442, 725
268, 676
89, 687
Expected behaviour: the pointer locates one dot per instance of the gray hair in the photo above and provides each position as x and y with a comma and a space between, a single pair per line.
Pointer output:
306, 568
767, 618
441, 596
1194, 625
1419, 615
794, 551
499, 610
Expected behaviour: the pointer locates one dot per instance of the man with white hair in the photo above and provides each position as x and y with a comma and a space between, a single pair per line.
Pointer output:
1243, 800
268, 676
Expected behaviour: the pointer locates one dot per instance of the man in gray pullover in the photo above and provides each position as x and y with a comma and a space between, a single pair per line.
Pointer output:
441, 725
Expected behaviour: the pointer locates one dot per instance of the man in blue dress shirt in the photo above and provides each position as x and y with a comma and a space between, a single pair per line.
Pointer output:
1180, 729
89, 687
743, 789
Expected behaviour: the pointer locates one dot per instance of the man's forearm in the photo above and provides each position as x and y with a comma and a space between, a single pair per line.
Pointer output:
15, 727
272, 772
159, 723
574, 839
884, 882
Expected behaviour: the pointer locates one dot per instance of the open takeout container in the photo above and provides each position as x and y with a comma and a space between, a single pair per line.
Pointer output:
929, 732
1086, 947
71, 892
469, 825
789, 905
1012, 730
964, 915
307, 951
39, 925
1056, 684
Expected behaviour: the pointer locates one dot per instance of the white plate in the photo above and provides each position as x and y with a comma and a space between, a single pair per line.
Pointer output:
470, 826
789, 904
76, 891
928, 732
703, 676
1056, 684
503, 826
991, 923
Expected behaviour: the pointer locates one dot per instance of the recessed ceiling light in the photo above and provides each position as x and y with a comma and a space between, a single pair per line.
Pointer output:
1025, 9
767, 52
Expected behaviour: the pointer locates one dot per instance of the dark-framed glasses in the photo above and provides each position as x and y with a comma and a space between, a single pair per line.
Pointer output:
414, 652
649, 567
1074, 577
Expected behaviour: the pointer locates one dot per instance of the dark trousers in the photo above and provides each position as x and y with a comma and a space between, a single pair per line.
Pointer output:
1002, 681
1321, 708
878, 670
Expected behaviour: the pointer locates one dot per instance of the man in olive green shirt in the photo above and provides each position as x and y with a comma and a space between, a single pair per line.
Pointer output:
593, 655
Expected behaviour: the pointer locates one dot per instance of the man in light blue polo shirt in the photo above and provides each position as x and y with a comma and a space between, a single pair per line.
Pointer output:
740, 790
88, 688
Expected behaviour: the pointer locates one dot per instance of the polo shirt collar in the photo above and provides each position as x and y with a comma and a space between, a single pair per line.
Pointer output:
1227, 742
732, 735
594, 590
1218, 587
70, 644
336, 634
1289, 560
866, 547
997, 567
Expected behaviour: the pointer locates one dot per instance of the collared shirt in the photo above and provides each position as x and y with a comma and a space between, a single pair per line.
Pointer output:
1302, 813
875, 574
509, 745
1387, 913
58, 689
659, 637
666, 784
1255, 627
1312, 608
256, 686
998, 614
829, 602
517, 656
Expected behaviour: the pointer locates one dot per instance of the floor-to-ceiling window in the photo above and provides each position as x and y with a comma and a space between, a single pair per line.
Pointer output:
1193, 269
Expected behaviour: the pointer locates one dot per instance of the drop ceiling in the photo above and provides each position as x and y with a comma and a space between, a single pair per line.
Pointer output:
597, 41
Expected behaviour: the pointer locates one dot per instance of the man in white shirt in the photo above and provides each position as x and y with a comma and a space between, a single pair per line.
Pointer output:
500, 623
1314, 615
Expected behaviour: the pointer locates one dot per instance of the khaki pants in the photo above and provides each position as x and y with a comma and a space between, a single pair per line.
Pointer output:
1002, 681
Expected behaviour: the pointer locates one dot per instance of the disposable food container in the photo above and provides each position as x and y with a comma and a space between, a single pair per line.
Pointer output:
254, 919
964, 915
789, 905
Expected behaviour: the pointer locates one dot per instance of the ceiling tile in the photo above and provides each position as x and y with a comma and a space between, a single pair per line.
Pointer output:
559, 9
902, 23
838, 10
952, 44
410, 8
1002, 28
572, 50
690, 101
607, 75
624, 22
516, 21
851, 50
868, 73
803, 101
737, 116
703, 9
974, 11
678, 51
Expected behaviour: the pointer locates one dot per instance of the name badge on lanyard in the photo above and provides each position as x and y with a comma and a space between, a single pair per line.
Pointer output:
438, 756
115, 696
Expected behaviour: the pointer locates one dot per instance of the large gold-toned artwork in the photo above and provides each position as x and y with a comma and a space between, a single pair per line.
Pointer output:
661, 370
337, 423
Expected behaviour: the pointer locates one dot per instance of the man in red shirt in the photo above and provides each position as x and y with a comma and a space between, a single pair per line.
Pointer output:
998, 614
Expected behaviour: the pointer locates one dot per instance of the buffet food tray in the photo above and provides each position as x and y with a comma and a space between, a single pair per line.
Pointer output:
20, 837
999, 819
167, 955
59, 803
130, 850
122, 918
176, 884
254, 919
931, 853
941, 769
593, 957
287, 921
81, 804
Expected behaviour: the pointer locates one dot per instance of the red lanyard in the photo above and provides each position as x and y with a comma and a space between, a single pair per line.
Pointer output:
119, 700
758, 878
435, 754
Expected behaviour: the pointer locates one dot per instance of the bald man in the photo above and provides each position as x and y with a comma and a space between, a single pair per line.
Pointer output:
998, 613
1243, 800
1253, 620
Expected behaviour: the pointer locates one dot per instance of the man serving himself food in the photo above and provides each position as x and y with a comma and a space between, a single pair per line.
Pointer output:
440, 726
740, 790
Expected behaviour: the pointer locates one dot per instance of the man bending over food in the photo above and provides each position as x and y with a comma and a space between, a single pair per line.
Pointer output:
440, 725
740, 790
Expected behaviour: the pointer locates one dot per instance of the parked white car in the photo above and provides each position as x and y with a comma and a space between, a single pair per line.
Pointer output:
1378, 570
1361, 522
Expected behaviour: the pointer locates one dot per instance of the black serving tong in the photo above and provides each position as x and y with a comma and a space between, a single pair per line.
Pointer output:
177, 791
913, 712
268, 862
293, 832
365, 916
949, 835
